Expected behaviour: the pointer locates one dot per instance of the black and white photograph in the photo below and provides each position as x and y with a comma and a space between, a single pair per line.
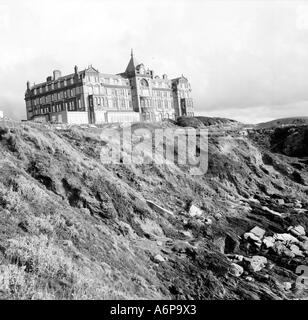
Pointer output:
153, 154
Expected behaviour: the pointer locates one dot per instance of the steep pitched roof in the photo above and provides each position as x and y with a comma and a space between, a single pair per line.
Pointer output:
133, 63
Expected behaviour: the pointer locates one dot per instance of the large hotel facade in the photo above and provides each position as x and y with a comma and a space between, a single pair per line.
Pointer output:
91, 97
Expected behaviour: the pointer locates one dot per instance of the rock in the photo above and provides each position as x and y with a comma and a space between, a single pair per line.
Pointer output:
187, 234
208, 221
158, 258
195, 211
159, 243
295, 249
302, 238
257, 263
220, 243
280, 249
297, 204
236, 270
235, 257
285, 237
271, 211
181, 247
297, 231
217, 216
303, 245
280, 201
269, 242
251, 236
257, 231
250, 279
287, 286
270, 266
158, 208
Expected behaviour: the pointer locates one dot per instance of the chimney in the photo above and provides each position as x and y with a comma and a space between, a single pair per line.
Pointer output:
56, 74
28, 85
76, 69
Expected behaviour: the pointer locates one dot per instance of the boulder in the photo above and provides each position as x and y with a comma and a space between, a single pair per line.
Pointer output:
251, 236
280, 201
187, 234
195, 211
257, 263
287, 286
236, 270
303, 246
295, 249
257, 231
250, 279
280, 249
159, 258
297, 231
285, 237
269, 242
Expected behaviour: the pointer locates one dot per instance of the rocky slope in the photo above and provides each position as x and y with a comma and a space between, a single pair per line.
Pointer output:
72, 227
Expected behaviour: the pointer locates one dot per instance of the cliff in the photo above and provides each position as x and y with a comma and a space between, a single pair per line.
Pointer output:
72, 227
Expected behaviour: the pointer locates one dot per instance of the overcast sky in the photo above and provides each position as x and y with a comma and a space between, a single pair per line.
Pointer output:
247, 60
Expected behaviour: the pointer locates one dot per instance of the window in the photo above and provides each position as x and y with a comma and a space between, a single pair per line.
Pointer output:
144, 83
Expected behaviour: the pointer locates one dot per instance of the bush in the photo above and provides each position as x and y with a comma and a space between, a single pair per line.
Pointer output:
38, 255
16, 283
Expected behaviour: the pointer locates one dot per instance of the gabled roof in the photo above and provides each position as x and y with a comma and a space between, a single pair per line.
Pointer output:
91, 69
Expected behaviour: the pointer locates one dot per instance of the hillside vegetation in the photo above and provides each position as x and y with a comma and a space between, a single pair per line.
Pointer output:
293, 121
72, 227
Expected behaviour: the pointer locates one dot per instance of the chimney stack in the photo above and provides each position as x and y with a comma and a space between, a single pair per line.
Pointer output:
56, 74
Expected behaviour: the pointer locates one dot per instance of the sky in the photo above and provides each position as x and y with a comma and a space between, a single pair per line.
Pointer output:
246, 60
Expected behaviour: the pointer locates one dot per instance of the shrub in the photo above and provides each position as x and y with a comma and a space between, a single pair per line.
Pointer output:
16, 283
40, 256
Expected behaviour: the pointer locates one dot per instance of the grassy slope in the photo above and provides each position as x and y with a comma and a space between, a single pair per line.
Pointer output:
74, 228
284, 122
